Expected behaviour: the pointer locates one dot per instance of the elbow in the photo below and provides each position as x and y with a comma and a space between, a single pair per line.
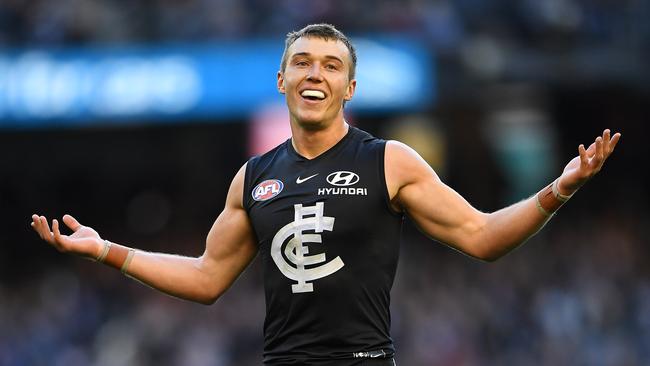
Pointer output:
480, 245
489, 257
483, 252
212, 294
491, 253
209, 298
488, 253
204, 301
208, 289
208, 292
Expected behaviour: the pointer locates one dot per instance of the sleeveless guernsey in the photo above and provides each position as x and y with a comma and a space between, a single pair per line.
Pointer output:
329, 244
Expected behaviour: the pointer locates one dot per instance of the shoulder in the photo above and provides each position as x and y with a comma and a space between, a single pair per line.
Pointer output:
402, 157
235, 192
404, 166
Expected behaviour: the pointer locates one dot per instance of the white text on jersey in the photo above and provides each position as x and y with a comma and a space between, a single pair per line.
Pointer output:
343, 191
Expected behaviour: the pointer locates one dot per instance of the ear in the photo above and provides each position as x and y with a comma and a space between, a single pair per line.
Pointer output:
281, 82
350, 91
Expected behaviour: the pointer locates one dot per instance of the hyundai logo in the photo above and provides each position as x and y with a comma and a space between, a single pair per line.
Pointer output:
342, 178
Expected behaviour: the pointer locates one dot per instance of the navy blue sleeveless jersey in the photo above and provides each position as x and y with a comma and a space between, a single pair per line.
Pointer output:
329, 244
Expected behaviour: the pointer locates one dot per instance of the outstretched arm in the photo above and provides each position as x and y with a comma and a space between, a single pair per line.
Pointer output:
443, 214
230, 247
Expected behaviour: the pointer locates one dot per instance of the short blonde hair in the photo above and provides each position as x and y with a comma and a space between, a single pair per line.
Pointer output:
326, 32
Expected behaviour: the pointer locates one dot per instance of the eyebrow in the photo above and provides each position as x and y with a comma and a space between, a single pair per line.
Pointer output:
331, 57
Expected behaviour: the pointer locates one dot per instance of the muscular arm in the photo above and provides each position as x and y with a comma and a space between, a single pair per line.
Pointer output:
230, 247
443, 214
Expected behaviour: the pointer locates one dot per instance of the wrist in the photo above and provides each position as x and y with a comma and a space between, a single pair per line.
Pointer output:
559, 193
116, 256
94, 250
563, 190
101, 250
550, 199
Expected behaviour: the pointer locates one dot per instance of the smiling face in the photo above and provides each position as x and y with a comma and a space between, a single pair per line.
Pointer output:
316, 81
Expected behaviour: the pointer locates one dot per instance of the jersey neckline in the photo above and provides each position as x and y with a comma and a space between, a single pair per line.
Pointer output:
294, 154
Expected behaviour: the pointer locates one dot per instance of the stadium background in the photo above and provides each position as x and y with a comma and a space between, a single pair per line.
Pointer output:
513, 88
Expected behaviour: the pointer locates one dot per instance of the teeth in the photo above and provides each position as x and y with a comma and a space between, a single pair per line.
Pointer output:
313, 93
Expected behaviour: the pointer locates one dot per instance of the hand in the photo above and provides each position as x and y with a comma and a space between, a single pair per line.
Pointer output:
84, 240
588, 162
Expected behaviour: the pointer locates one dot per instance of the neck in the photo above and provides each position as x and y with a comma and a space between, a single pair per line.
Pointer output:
311, 143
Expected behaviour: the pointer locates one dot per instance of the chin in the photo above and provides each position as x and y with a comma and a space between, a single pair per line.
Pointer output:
312, 125
311, 121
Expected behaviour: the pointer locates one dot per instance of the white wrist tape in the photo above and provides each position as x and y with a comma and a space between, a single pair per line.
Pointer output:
560, 197
104, 253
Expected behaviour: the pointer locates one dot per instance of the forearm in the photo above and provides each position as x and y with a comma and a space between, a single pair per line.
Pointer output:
510, 227
176, 275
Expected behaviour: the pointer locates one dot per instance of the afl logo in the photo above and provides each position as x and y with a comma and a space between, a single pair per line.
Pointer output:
267, 189
342, 178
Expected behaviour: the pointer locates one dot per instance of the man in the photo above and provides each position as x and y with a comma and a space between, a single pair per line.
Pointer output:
325, 209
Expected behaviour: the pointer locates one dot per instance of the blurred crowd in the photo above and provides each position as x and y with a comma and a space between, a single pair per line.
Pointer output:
445, 23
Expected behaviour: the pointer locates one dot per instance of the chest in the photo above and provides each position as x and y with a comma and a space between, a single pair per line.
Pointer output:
346, 192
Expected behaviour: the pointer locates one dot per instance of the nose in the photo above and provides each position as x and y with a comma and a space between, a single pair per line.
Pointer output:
314, 72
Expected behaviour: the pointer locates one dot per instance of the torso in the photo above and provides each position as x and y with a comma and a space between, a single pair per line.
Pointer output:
330, 244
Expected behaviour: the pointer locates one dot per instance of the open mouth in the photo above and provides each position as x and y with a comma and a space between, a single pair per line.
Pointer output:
313, 95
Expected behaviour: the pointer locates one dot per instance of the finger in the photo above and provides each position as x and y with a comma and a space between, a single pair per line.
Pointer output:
35, 222
598, 158
58, 238
38, 227
44, 230
584, 160
613, 142
606, 143
591, 150
71, 222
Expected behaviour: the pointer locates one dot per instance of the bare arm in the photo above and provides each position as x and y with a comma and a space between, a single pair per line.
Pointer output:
443, 214
230, 247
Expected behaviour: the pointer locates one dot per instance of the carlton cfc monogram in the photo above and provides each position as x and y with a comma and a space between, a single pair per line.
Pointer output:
305, 218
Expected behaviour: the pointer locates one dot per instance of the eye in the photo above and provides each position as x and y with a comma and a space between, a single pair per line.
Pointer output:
331, 67
301, 63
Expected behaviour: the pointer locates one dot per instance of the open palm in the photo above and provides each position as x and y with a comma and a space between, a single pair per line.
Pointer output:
588, 162
84, 240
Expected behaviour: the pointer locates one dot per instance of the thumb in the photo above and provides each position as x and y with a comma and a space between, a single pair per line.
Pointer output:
71, 222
